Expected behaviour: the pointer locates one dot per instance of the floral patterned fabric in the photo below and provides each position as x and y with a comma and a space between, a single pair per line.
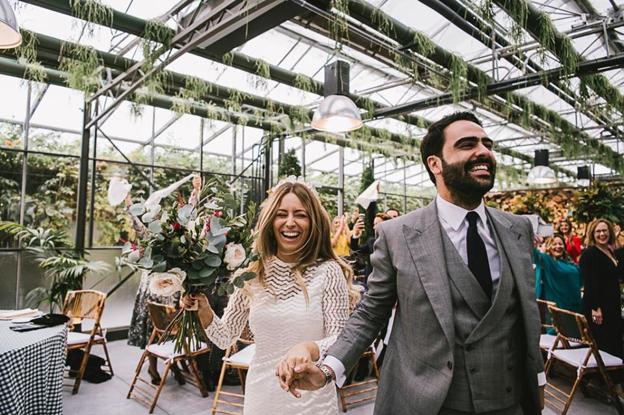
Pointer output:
141, 326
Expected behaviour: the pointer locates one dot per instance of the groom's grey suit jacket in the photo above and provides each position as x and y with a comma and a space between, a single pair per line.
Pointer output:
410, 269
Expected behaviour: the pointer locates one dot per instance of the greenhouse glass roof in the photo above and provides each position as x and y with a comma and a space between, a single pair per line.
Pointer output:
515, 63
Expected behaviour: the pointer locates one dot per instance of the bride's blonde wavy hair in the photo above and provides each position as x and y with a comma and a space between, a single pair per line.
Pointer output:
316, 248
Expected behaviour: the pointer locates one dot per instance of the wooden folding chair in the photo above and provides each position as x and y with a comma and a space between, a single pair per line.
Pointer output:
161, 315
358, 392
546, 339
238, 359
79, 306
573, 328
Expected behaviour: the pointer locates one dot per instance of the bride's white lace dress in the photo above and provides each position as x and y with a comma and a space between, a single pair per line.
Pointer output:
279, 318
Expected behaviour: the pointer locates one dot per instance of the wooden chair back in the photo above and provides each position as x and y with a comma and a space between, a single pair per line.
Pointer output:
571, 327
544, 313
82, 305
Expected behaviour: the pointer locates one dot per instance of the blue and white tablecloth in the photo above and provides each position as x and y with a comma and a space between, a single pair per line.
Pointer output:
31, 370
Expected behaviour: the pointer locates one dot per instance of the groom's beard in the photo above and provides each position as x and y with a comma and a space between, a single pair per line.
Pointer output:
458, 179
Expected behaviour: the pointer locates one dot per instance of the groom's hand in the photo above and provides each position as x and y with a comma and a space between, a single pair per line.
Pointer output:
307, 376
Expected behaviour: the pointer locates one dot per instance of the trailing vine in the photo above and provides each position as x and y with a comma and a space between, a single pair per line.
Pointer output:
93, 12
459, 71
26, 54
83, 67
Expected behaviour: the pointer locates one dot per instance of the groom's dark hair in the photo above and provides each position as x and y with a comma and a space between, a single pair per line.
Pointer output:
433, 141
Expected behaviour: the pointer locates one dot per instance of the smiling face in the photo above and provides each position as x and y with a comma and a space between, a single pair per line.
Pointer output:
467, 167
602, 234
557, 247
564, 228
291, 228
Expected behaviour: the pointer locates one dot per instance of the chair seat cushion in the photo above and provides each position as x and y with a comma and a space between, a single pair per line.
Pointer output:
548, 340
165, 350
575, 357
243, 357
74, 338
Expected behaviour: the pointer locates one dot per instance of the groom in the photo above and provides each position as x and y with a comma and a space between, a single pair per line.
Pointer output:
466, 332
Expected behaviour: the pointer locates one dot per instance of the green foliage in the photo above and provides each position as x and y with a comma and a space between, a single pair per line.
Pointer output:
263, 70
459, 71
338, 26
422, 44
289, 165
83, 67
227, 58
92, 11
600, 201
26, 53
303, 83
157, 31
65, 267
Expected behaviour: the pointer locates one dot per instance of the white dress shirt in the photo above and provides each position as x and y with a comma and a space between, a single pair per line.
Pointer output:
454, 223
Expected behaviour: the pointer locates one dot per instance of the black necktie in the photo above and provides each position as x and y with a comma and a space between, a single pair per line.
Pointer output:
477, 255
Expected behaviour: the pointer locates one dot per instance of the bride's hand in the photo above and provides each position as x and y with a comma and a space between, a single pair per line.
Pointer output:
200, 303
300, 354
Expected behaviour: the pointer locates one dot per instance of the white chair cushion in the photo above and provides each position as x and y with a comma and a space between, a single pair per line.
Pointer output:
74, 338
575, 357
243, 357
165, 350
548, 340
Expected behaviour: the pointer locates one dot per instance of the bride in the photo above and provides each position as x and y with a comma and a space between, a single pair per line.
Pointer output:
302, 293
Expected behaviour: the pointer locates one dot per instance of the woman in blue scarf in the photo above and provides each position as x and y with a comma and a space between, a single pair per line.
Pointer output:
557, 277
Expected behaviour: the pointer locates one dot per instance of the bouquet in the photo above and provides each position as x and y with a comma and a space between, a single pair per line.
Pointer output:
190, 248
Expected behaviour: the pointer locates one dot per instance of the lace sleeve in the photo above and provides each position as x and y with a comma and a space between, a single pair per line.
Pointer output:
224, 331
335, 306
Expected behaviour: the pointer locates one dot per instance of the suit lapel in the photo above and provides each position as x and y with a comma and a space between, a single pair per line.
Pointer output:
424, 242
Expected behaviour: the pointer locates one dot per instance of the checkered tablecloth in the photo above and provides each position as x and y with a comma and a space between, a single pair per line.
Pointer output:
31, 370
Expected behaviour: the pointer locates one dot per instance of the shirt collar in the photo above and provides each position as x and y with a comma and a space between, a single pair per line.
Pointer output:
455, 215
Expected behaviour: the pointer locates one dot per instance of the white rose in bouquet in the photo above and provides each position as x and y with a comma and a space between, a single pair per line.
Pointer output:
167, 283
234, 256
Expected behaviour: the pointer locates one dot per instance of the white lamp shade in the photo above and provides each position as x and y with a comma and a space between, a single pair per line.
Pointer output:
10, 36
337, 114
541, 175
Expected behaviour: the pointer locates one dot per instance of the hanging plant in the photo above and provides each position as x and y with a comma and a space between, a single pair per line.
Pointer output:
227, 58
92, 11
546, 36
83, 67
26, 54
422, 44
303, 83
459, 72
381, 22
299, 116
338, 27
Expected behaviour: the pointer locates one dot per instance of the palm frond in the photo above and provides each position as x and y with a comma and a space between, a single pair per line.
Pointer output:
34, 237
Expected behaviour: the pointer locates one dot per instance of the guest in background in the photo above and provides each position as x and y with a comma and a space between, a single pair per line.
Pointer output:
602, 274
557, 277
366, 248
340, 236
392, 213
572, 242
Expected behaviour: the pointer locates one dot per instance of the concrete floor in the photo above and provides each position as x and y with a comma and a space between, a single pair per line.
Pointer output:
109, 398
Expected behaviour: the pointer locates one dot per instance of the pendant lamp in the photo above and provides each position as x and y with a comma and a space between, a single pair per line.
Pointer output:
10, 36
541, 174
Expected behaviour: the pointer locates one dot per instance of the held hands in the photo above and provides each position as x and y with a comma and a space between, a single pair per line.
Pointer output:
297, 371
200, 303
597, 316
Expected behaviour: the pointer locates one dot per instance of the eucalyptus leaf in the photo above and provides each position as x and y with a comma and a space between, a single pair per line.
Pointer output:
137, 209
155, 227
230, 289
193, 275
160, 266
207, 272
149, 216
185, 212
239, 282
213, 261
216, 224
